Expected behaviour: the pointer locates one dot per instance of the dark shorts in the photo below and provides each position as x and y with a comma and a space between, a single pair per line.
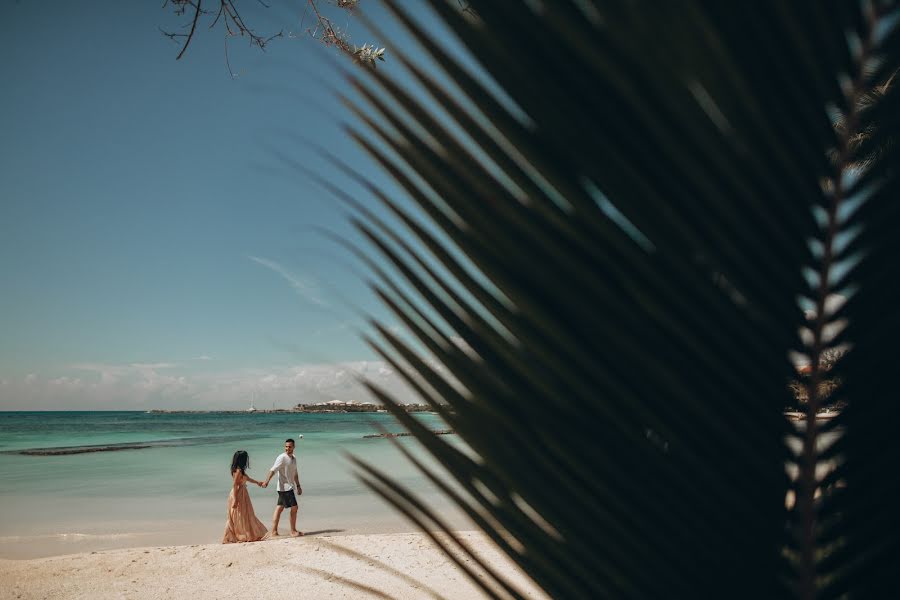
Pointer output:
287, 499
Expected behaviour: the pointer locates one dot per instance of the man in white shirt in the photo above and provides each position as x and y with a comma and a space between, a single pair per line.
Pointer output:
288, 481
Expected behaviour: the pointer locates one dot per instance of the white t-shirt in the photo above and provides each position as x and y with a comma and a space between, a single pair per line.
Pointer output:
286, 467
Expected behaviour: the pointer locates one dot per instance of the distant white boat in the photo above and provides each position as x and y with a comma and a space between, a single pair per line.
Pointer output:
252, 408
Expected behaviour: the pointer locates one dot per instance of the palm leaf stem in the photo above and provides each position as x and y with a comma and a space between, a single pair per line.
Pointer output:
808, 460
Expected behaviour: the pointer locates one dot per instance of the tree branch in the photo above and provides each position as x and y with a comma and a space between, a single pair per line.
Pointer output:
190, 35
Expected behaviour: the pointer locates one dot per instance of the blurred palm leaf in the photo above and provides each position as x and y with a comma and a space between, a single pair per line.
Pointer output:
612, 283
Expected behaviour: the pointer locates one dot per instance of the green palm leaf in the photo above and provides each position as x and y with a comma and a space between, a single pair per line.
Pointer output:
614, 256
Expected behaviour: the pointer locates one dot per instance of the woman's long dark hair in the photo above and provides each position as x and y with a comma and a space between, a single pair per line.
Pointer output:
240, 460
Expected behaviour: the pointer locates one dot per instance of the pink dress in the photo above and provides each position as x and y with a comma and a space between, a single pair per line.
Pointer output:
242, 524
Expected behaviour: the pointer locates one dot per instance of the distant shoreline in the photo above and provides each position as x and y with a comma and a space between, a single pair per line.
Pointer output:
326, 407
820, 416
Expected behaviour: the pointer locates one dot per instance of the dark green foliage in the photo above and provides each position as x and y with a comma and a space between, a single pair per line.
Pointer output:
621, 372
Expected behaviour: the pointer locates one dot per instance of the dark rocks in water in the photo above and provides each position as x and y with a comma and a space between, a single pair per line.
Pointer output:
142, 445
81, 450
406, 433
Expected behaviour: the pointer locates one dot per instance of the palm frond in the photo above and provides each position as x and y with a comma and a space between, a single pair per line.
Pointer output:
620, 242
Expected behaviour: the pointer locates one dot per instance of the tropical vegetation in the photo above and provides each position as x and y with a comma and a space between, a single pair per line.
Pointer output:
627, 228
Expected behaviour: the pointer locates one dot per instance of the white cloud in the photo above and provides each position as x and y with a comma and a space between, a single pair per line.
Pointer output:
304, 288
203, 357
142, 386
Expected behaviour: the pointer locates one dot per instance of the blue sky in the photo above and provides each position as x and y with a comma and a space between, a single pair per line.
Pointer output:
155, 248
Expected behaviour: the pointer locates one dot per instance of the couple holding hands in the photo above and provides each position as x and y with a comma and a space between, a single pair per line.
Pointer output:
242, 524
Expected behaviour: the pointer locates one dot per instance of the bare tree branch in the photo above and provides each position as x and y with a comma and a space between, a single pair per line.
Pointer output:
227, 14
233, 22
190, 35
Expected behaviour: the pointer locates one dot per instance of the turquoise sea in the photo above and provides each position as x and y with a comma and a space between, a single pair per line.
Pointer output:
173, 491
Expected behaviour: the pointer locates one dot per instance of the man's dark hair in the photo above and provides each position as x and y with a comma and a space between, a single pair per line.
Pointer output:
291, 440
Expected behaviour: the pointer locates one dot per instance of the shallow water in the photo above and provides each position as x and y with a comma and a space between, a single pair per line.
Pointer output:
174, 491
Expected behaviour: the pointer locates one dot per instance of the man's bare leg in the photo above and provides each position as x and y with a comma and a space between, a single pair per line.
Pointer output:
275, 519
294, 531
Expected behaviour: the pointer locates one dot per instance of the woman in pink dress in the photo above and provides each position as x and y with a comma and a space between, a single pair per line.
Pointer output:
241, 524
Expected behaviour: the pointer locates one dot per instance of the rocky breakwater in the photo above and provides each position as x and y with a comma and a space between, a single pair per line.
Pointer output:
388, 434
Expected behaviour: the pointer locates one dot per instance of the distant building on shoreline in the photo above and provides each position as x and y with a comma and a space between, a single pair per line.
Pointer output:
352, 406
332, 406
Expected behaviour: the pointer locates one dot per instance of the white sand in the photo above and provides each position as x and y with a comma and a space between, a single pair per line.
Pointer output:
398, 565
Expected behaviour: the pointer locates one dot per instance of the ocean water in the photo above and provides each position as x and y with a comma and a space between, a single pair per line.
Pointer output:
174, 490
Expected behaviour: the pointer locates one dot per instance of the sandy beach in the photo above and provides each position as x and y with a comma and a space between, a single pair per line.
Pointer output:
399, 565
